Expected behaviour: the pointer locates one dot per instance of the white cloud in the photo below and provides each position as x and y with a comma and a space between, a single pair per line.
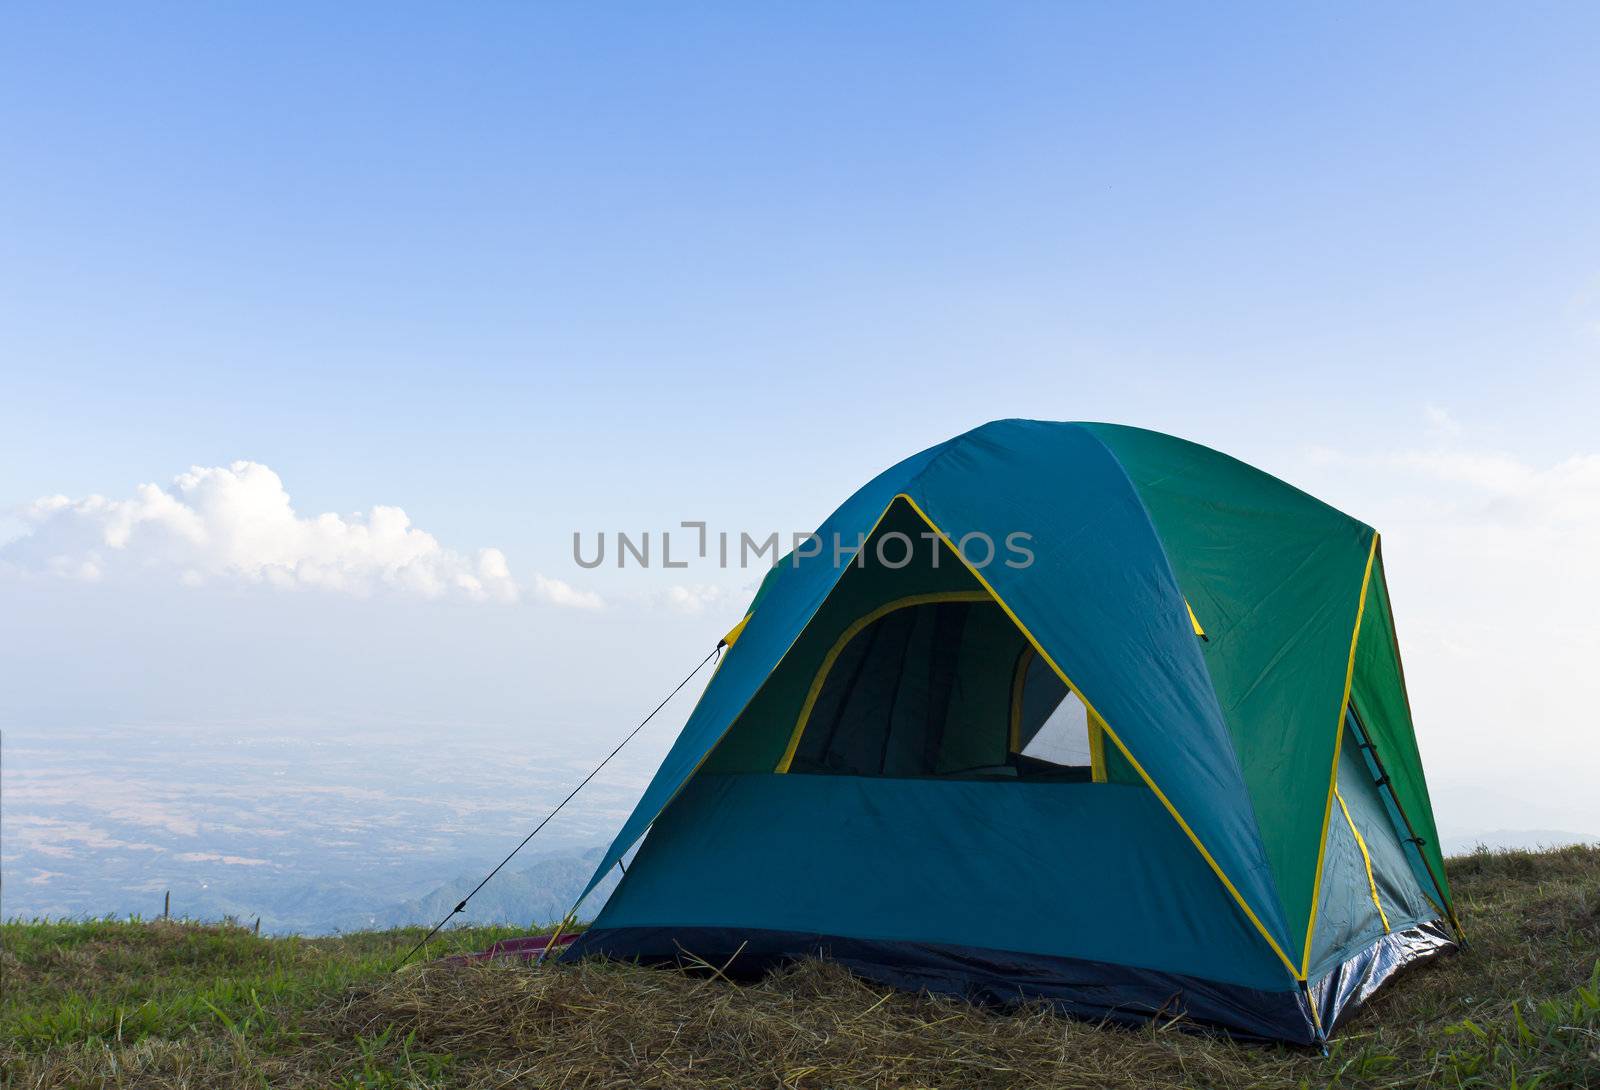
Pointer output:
559, 593
693, 598
237, 524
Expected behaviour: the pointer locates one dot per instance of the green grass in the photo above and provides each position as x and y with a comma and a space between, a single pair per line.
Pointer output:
179, 1004
98, 988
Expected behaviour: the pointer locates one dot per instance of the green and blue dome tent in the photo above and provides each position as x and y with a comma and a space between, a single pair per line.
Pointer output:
1094, 715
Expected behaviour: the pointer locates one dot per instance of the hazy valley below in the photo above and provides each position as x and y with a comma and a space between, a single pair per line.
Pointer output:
310, 828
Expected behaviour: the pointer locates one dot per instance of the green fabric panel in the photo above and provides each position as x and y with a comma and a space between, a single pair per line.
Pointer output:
1379, 694
1118, 770
1274, 576
1076, 870
757, 739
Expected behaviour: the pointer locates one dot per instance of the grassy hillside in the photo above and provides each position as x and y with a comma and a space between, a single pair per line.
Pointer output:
160, 1004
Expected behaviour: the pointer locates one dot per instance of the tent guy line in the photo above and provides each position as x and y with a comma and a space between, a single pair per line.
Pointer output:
462, 904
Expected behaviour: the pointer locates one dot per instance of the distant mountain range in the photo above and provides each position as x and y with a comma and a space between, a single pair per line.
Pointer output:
540, 893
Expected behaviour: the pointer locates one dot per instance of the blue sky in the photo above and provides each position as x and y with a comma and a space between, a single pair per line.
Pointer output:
529, 269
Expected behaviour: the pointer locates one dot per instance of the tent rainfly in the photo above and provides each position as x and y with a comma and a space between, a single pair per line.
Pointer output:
1094, 715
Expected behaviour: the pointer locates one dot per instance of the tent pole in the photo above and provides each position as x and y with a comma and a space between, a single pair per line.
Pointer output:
554, 938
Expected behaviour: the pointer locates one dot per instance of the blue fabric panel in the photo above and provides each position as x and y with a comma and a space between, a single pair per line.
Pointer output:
1102, 599
1090, 871
1347, 920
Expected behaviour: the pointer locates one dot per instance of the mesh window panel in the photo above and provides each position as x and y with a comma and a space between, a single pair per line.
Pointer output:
884, 705
927, 690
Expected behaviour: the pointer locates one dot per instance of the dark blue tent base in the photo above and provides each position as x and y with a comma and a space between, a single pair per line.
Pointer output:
1091, 990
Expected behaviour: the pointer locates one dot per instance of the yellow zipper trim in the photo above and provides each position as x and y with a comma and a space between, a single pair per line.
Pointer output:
1338, 740
1366, 858
1097, 747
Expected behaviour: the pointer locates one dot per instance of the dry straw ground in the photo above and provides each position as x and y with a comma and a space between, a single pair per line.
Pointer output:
118, 1004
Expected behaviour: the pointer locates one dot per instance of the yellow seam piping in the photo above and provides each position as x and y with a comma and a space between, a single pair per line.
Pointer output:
843, 641
1372, 883
1316, 1019
1338, 741
1014, 732
1137, 767
1097, 749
